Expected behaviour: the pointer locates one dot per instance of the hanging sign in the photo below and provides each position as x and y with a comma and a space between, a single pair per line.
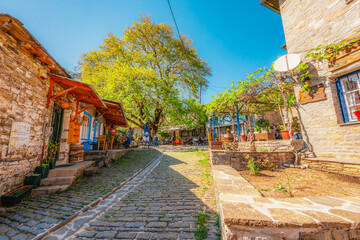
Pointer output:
19, 138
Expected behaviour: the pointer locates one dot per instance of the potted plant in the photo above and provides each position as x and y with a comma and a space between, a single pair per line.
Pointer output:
52, 148
16, 195
33, 179
43, 170
65, 101
357, 112
285, 134
243, 137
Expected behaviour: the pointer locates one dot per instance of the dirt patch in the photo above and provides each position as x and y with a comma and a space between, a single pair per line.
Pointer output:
304, 183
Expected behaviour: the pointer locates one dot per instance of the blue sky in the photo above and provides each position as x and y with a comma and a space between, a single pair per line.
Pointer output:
234, 36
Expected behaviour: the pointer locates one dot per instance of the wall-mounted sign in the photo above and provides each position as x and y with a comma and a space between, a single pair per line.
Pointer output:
314, 94
19, 138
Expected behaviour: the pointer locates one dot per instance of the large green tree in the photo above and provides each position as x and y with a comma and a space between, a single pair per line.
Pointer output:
155, 75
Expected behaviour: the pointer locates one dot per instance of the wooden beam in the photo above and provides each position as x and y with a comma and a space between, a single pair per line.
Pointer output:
70, 82
101, 114
80, 98
63, 92
51, 86
77, 113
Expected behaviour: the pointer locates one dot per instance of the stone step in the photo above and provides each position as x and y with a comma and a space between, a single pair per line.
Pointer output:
55, 181
48, 189
94, 158
91, 171
74, 170
63, 172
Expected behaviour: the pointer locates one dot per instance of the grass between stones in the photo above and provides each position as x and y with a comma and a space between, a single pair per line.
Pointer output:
201, 231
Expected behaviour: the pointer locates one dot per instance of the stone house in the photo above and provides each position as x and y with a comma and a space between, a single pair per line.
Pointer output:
329, 125
32, 86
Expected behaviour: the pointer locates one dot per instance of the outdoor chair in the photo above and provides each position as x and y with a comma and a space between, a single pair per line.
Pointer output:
111, 143
102, 142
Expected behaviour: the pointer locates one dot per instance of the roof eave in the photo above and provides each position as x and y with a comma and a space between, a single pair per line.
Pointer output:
265, 4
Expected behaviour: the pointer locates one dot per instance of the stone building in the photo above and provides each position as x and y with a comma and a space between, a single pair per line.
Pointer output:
329, 125
32, 86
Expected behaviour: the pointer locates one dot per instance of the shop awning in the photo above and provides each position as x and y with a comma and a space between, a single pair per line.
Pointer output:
113, 113
82, 92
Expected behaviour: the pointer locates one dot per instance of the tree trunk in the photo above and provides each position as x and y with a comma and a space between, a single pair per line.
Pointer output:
219, 126
251, 135
233, 125
289, 121
281, 115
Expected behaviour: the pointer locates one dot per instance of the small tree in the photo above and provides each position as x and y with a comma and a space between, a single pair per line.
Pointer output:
285, 83
252, 93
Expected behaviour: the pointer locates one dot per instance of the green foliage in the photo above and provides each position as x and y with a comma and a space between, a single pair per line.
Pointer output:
284, 188
202, 218
262, 123
202, 231
51, 149
155, 75
164, 135
324, 51
264, 150
253, 166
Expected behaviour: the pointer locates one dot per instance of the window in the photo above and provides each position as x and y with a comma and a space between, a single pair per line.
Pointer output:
349, 95
97, 128
86, 127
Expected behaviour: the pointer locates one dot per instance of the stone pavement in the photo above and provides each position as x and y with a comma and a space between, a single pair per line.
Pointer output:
34, 217
246, 214
163, 202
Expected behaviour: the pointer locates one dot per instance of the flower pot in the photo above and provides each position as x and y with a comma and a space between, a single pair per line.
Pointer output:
64, 104
51, 164
243, 138
46, 170
16, 195
43, 170
357, 114
33, 180
285, 134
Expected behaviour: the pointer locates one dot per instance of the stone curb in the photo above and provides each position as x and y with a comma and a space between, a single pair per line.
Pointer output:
93, 204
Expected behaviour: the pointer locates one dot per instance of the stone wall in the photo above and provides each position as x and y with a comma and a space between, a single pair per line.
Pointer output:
351, 169
23, 98
277, 145
238, 160
308, 24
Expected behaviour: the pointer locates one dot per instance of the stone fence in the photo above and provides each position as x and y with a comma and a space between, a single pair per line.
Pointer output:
277, 145
238, 160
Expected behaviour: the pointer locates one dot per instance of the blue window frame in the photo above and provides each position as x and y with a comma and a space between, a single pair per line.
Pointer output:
86, 127
97, 128
348, 88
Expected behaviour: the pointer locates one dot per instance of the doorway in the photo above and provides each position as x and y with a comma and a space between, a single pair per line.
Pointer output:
56, 124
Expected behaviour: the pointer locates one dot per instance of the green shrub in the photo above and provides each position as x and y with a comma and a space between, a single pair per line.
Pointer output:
253, 166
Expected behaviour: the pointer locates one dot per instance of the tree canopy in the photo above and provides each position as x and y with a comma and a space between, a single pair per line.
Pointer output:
155, 75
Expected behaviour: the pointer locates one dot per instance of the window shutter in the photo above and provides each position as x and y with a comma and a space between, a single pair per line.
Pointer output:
342, 101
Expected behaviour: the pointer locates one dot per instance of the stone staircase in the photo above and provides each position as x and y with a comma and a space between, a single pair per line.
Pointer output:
96, 155
62, 177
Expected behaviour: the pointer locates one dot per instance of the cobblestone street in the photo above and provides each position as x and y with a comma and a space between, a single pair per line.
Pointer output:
165, 204
37, 215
